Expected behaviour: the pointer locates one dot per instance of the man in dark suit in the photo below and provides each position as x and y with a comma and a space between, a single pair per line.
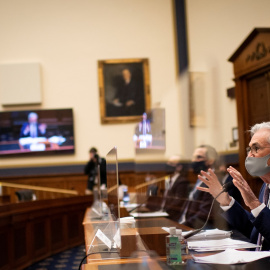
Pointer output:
175, 193
254, 224
197, 207
32, 128
176, 189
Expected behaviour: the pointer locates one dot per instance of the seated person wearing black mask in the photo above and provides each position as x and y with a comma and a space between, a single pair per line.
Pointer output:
175, 193
198, 205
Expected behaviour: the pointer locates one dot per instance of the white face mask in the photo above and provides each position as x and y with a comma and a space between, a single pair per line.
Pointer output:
257, 166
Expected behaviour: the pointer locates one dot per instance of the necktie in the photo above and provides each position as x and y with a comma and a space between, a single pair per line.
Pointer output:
265, 201
190, 198
165, 193
33, 130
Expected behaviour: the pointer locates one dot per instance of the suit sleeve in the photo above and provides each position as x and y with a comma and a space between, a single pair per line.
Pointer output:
262, 223
246, 223
176, 199
89, 167
198, 210
240, 219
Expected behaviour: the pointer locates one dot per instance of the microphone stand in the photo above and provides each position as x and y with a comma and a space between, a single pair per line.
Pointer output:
138, 206
226, 187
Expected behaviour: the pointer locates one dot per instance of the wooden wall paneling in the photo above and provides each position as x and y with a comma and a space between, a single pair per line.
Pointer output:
58, 230
75, 227
78, 183
4, 199
73, 182
5, 247
21, 244
9, 191
40, 247
30, 231
257, 92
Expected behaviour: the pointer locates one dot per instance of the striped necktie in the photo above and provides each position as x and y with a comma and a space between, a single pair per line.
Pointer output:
169, 185
266, 202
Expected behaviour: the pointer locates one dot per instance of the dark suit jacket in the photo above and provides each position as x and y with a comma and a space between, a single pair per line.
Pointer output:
198, 209
248, 225
176, 197
39, 134
173, 200
233, 191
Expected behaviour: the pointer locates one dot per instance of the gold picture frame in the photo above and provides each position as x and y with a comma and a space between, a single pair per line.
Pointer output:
124, 89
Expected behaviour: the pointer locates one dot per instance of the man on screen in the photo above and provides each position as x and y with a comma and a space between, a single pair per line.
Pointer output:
33, 135
32, 128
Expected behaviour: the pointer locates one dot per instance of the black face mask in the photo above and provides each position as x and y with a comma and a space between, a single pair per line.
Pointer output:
169, 168
198, 166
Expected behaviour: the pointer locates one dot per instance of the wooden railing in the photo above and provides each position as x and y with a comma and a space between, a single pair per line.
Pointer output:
151, 182
46, 189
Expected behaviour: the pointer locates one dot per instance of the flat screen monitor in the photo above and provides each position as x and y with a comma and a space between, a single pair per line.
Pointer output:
36, 132
150, 131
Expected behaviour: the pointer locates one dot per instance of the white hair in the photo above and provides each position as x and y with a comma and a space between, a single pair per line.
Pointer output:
32, 115
256, 127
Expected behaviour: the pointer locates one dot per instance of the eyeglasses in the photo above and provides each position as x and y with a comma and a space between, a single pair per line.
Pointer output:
254, 149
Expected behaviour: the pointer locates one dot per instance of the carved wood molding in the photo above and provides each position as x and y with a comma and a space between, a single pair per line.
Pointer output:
260, 52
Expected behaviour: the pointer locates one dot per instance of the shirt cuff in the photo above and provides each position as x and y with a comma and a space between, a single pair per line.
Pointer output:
256, 211
227, 207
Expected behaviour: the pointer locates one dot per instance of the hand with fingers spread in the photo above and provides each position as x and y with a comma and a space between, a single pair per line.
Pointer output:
214, 187
249, 197
254, 224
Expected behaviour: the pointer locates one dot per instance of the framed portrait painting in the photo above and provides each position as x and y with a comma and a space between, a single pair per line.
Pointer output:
124, 90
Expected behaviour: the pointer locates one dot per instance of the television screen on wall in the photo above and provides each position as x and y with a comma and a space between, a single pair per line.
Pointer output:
150, 131
36, 132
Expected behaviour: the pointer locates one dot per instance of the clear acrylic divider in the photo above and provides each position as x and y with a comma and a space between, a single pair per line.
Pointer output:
105, 237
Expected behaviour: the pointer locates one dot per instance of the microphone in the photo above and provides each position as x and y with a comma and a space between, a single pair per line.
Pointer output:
225, 188
141, 204
138, 206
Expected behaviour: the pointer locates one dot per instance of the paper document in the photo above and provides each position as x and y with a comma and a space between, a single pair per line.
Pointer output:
209, 235
149, 214
127, 222
218, 244
206, 235
232, 256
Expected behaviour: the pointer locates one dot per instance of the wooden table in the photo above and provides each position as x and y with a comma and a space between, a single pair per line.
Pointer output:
113, 261
151, 235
